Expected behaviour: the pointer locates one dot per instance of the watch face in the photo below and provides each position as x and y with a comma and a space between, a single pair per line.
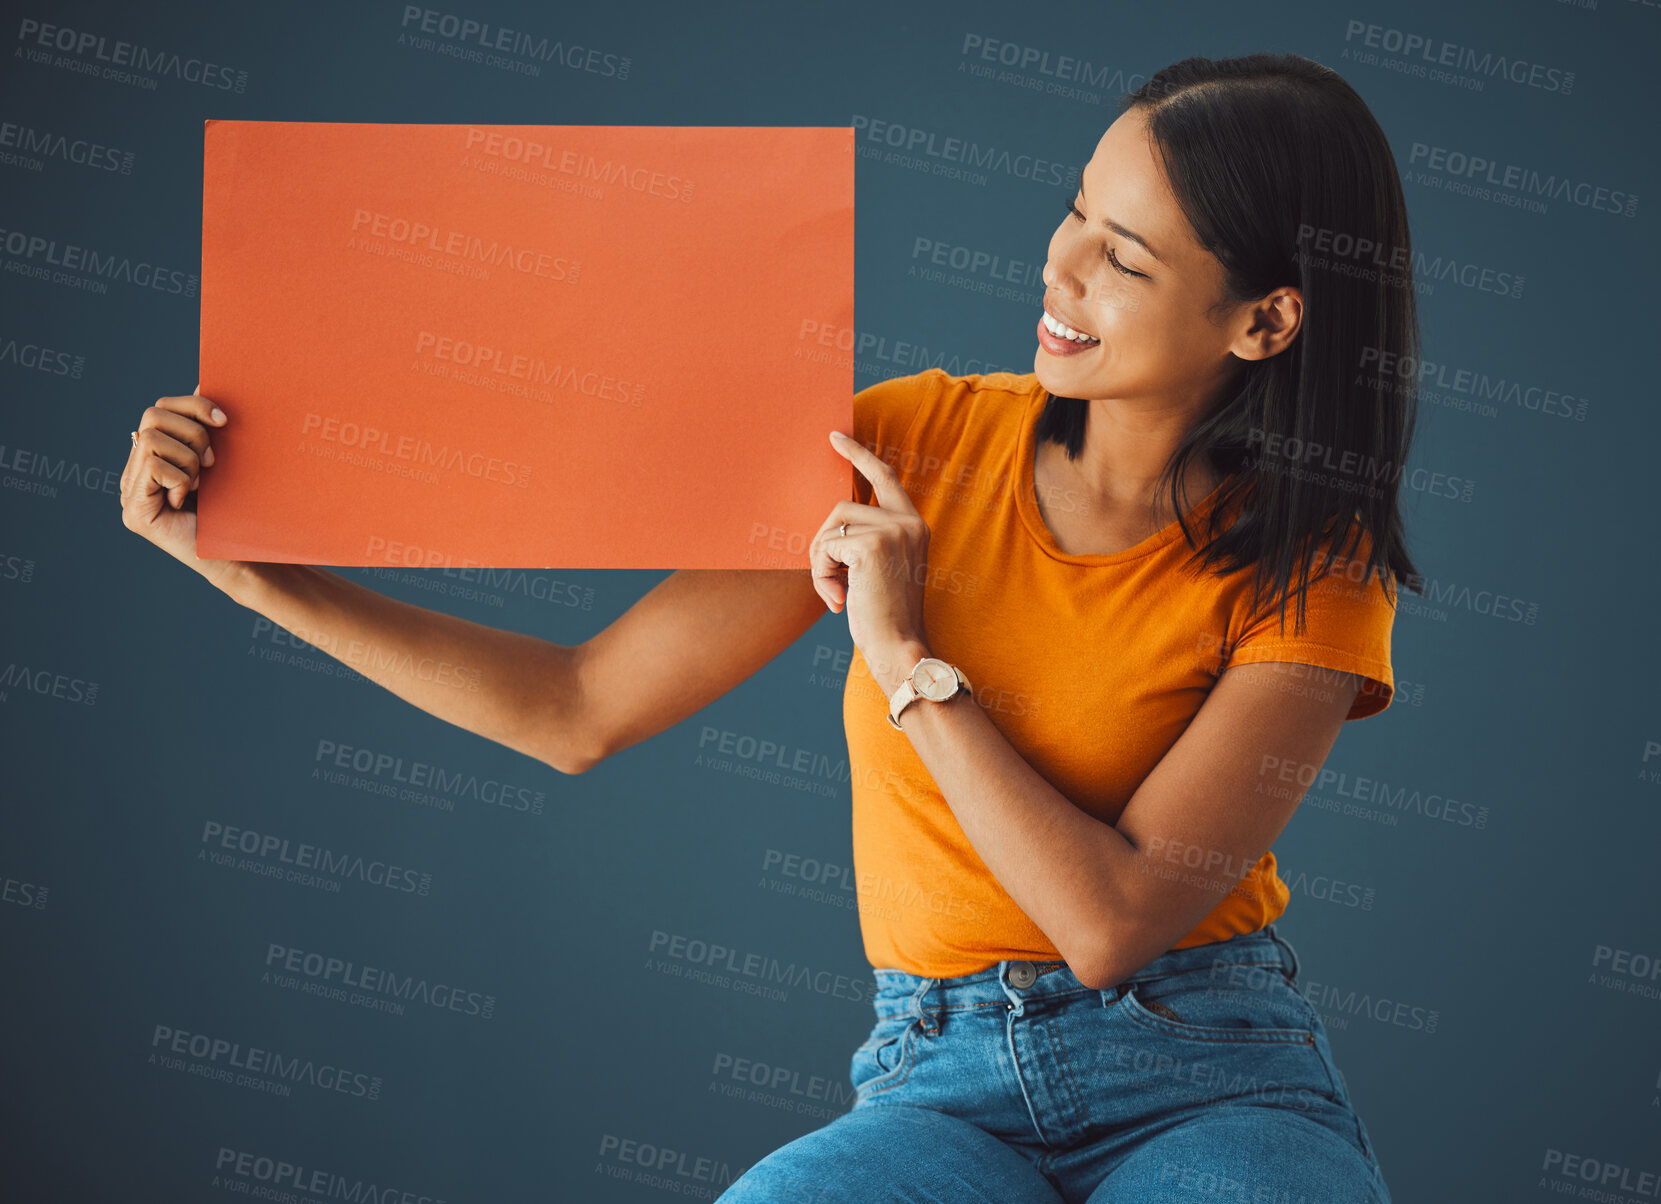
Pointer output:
934, 679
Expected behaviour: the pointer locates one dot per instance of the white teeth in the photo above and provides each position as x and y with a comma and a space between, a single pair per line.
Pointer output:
1060, 330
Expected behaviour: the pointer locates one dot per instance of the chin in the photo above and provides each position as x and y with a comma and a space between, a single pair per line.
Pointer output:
1056, 381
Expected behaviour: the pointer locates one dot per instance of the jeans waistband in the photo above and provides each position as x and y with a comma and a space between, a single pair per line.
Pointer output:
1019, 981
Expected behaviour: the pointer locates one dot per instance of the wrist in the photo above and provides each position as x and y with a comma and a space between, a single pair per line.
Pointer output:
891, 663
230, 577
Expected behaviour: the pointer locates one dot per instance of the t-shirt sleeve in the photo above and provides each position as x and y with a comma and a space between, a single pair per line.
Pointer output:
1346, 628
884, 415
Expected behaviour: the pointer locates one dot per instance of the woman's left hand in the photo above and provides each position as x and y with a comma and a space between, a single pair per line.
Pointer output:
875, 572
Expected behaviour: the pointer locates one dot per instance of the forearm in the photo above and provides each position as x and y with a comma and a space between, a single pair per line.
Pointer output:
517, 690
1072, 874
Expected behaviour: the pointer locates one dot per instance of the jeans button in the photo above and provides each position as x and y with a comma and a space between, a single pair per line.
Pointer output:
1022, 974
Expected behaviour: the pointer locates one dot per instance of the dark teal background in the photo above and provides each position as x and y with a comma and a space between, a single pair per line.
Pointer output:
1544, 723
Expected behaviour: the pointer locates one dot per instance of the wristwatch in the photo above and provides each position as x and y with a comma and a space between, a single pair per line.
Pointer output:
930, 678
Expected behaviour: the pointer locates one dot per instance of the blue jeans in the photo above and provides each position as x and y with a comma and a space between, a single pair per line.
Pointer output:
1205, 1076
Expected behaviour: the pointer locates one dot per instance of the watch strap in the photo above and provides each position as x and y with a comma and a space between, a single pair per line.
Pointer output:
906, 693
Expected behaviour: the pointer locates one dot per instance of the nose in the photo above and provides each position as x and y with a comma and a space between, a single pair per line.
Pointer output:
1059, 266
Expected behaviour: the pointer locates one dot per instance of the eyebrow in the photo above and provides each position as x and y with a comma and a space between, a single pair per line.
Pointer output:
1114, 226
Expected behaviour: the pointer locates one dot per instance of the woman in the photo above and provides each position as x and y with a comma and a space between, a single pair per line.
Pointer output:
1104, 715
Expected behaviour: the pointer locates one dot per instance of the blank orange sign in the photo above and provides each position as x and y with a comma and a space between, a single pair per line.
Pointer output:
525, 346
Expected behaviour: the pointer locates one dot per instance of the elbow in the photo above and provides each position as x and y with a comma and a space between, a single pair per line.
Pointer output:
568, 766
560, 729
1103, 968
1094, 972
1107, 957
1090, 963
575, 753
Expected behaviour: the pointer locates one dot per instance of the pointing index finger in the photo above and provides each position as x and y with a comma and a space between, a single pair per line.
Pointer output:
885, 483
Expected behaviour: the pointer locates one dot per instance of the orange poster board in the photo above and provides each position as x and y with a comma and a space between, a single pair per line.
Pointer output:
525, 346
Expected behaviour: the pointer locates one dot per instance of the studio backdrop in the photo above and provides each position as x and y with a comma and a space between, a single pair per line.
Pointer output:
261, 918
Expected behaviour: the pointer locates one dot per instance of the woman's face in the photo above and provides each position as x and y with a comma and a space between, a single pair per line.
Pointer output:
1157, 346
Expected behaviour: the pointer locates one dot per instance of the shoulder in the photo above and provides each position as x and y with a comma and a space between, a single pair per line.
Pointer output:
1347, 587
893, 413
1349, 614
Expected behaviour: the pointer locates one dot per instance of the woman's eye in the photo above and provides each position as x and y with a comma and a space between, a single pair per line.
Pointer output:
1114, 260
1111, 257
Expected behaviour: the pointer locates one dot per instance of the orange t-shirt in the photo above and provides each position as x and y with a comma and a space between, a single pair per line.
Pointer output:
1091, 666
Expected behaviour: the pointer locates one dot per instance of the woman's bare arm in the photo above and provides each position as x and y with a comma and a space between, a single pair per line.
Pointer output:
693, 637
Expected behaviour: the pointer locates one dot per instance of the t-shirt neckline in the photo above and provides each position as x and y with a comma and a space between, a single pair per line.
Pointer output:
1026, 502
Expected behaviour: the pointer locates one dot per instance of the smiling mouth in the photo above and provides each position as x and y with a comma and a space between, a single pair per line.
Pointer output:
1062, 331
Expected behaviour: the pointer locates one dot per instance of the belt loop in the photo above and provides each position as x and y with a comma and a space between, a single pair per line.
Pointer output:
930, 1022
1288, 955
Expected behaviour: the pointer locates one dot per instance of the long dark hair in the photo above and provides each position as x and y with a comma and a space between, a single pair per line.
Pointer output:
1286, 177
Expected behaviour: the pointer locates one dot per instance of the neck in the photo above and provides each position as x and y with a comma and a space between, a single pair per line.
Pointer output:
1126, 450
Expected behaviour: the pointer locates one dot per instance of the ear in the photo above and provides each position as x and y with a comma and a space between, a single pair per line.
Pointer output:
1267, 326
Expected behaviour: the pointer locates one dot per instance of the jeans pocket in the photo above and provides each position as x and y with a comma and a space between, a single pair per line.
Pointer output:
1234, 1003
882, 1060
